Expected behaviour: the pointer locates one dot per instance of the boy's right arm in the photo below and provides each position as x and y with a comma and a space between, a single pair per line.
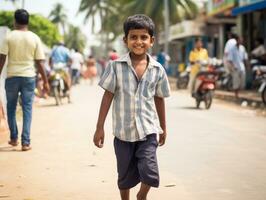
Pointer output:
105, 105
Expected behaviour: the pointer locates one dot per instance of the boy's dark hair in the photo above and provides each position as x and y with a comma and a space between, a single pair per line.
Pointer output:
139, 21
22, 17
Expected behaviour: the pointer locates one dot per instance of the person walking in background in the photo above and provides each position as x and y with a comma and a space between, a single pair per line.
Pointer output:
22, 47
161, 58
91, 71
237, 58
102, 63
113, 55
231, 42
137, 84
76, 66
258, 51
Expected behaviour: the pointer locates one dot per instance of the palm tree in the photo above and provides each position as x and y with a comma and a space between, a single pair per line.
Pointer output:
178, 9
95, 9
106, 11
74, 39
164, 12
58, 16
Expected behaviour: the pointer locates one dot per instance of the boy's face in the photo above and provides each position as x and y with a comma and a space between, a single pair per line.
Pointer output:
139, 41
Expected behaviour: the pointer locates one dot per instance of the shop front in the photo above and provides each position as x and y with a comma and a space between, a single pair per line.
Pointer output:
219, 22
251, 15
181, 42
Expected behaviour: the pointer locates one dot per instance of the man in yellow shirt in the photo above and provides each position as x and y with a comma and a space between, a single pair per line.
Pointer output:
197, 55
23, 49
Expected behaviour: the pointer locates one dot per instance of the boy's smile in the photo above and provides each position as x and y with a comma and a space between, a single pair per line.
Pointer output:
138, 41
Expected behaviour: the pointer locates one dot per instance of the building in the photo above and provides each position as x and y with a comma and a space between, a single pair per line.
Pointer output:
251, 21
219, 22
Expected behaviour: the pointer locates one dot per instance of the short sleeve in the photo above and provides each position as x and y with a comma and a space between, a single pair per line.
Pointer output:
245, 54
39, 53
108, 80
162, 87
4, 47
191, 57
230, 54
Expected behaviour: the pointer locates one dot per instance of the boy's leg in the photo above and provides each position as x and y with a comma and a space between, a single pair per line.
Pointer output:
128, 175
124, 194
147, 165
143, 191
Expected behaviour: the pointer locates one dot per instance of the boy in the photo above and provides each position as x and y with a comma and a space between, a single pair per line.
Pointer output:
138, 85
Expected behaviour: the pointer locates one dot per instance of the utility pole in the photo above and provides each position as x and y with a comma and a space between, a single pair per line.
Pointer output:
166, 26
23, 4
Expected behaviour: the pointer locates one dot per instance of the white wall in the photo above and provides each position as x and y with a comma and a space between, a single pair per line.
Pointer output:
3, 31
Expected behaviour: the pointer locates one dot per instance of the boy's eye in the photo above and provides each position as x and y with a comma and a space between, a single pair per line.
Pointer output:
144, 37
134, 37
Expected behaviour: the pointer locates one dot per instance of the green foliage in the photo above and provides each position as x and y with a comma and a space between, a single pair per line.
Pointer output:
47, 31
58, 16
74, 39
44, 28
6, 19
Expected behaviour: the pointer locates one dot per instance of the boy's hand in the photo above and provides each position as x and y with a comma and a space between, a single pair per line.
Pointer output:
98, 138
162, 138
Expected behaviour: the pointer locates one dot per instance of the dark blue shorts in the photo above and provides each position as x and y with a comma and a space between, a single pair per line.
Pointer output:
137, 162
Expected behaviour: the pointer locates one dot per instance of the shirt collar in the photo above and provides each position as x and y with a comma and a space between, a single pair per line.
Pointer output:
126, 58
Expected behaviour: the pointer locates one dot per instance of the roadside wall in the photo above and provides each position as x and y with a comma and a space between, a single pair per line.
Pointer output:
3, 122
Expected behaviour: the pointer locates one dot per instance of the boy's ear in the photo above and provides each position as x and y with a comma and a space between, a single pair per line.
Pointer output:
125, 39
152, 40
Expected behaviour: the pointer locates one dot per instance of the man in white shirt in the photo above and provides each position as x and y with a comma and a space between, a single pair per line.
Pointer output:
231, 42
237, 59
76, 64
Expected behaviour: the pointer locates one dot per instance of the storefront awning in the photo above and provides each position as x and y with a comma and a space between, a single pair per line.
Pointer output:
249, 8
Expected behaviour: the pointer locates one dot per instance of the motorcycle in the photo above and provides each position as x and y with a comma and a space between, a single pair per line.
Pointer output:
224, 79
260, 77
58, 86
205, 91
183, 78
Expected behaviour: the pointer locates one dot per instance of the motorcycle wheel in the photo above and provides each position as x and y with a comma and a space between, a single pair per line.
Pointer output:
263, 95
208, 100
197, 103
56, 96
68, 98
181, 83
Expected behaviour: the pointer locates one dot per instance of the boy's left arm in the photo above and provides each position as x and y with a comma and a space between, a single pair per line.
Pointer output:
160, 107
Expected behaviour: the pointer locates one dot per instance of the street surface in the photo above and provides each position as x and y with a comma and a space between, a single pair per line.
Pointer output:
216, 154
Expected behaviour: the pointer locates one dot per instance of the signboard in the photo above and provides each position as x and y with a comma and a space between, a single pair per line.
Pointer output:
247, 2
183, 29
186, 29
219, 6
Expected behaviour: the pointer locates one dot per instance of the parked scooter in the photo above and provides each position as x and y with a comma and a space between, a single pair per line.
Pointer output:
224, 79
260, 78
183, 78
58, 86
207, 78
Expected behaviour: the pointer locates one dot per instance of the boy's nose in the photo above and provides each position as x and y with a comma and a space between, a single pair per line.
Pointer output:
138, 41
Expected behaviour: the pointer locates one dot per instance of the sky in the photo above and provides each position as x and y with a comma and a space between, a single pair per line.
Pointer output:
44, 8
